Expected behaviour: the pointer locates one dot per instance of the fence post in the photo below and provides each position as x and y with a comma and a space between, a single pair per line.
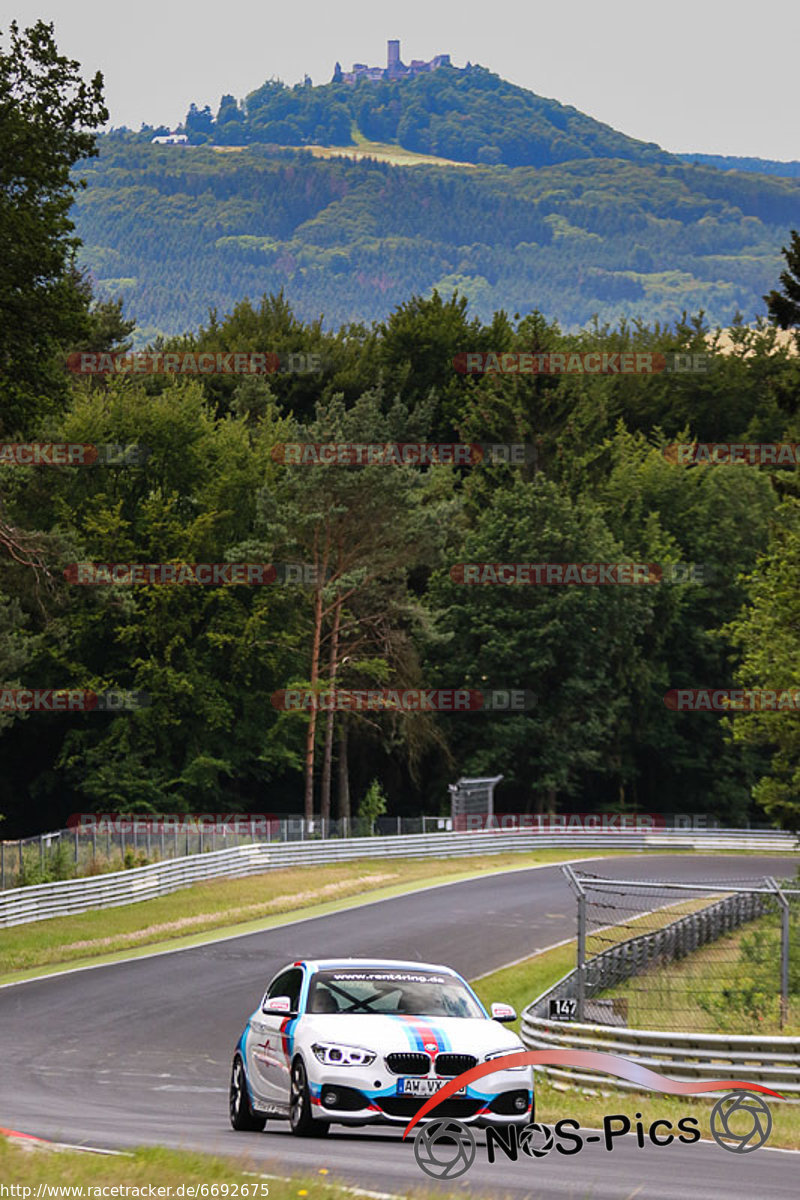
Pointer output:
580, 965
784, 963
784, 950
2, 866
581, 953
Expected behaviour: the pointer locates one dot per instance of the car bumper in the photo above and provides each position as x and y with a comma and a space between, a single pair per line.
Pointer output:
360, 1099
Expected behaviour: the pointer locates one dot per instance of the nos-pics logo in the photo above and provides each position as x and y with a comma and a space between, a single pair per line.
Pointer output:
446, 1148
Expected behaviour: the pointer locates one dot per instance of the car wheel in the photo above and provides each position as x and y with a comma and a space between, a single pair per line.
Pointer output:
243, 1118
300, 1119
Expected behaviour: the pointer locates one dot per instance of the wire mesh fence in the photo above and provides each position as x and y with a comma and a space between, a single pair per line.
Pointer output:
113, 845
694, 958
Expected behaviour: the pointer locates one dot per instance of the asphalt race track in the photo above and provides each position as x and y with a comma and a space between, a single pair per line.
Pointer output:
139, 1052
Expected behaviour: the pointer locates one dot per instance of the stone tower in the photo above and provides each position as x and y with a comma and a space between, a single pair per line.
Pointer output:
392, 55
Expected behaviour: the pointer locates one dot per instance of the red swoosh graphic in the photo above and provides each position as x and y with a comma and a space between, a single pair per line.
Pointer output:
591, 1059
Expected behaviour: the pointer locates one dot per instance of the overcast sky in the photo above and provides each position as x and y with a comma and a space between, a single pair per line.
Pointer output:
717, 76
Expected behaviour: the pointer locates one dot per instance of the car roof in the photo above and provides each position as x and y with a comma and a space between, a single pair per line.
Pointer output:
327, 964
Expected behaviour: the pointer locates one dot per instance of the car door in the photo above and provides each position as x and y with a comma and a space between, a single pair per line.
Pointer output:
270, 1041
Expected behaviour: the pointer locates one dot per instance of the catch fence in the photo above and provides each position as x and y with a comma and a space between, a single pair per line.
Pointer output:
125, 843
116, 845
688, 957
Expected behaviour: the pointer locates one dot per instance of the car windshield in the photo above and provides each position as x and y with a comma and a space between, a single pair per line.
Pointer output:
407, 993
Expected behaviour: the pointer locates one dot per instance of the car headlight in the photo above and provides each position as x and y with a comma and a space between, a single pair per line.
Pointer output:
334, 1055
502, 1054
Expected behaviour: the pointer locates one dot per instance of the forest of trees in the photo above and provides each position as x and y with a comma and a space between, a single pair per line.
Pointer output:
386, 610
734, 162
177, 231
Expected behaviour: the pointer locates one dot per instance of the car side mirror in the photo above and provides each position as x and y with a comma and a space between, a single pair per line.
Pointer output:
277, 1004
503, 1013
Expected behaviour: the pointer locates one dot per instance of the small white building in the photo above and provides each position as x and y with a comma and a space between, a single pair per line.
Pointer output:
170, 139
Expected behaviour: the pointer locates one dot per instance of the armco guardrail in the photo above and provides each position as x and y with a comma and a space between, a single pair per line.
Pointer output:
111, 841
39, 901
772, 1061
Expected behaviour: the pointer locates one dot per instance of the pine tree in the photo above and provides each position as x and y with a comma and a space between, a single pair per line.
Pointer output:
784, 306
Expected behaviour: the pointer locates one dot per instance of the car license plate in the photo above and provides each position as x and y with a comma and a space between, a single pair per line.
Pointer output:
423, 1087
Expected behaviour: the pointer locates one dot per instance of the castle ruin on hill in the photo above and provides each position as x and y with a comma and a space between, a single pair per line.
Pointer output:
395, 67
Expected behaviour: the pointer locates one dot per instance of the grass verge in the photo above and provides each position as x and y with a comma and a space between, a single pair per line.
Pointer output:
669, 997
33, 1165
521, 983
230, 906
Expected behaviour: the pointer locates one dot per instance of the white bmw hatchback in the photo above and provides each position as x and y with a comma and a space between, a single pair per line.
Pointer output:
356, 1041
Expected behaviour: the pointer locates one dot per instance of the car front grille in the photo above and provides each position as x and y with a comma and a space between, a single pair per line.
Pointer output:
454, 1064
408, 1063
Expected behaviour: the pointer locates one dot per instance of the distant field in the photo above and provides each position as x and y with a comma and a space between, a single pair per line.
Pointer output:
395, 155
785, 339
386, 152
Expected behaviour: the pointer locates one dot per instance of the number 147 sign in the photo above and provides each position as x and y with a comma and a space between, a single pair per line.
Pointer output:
563, 1009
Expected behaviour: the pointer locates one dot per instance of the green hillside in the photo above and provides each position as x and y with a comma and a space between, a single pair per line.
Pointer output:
177, 230
467, 114
733, 162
